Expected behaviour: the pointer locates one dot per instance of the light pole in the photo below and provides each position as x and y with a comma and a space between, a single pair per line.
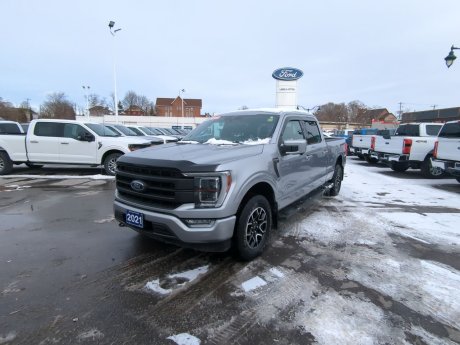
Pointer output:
86, 91
182, 100
451, 57
113, 32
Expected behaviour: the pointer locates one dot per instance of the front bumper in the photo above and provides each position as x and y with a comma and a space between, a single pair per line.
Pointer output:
451, 167
171, 229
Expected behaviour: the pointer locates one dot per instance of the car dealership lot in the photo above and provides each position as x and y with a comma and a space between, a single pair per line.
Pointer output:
378, 264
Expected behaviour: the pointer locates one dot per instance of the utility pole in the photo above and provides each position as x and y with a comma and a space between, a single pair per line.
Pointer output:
400, 110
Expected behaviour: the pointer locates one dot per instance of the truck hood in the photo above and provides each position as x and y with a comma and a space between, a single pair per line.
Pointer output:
188, 156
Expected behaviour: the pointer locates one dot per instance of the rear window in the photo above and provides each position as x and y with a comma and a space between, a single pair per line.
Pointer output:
408, 130
450, 130
433, 130
9, 128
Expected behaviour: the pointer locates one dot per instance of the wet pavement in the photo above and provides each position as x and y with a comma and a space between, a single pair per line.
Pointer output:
357, 269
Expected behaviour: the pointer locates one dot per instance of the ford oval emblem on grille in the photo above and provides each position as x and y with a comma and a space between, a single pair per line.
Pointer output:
138, 186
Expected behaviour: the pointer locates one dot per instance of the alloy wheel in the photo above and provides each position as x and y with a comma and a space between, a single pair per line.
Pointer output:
256, 227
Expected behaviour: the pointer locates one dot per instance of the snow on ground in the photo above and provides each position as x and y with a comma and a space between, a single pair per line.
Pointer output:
363, 234
185, 339
253, 284
175, 281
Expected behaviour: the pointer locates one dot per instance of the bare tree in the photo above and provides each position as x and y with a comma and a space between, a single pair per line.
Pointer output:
96, 100
57, 107
9, 112
333, 112
357, 111
132, 99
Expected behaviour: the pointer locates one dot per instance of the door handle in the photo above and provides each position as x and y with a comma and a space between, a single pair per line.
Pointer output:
65, 143
34, 142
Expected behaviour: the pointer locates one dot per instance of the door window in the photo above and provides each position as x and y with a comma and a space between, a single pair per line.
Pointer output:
73, 131
292, 131
49, 129
313, 134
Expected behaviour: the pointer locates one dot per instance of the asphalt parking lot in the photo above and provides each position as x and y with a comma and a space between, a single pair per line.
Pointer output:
379, 264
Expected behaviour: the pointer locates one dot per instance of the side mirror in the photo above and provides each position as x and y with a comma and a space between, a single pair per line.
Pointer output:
86, 137
293, 147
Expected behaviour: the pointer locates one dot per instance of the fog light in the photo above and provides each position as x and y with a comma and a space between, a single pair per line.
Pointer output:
199, 223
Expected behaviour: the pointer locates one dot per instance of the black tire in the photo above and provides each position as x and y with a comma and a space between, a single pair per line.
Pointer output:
399, 167
6, 165
371, 160
34, 166
429, 171
458, 179
336, 180
360, 155
253, 228
110, 163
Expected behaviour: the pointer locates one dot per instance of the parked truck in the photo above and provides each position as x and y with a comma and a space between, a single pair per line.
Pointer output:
446, 154
65, 142
362, 142
225, 182
412, 146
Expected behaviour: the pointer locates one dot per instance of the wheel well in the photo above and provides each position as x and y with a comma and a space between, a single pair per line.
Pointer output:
261, 188
109, 153
339, 161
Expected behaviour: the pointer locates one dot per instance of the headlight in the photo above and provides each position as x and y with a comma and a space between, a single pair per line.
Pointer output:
210, 189
134, 147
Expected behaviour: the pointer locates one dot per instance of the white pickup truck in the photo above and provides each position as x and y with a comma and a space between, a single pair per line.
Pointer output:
447, 149
362, 143
65, 142
412, 146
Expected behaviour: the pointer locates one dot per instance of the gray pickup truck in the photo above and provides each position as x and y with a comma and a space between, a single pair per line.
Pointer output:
225, 182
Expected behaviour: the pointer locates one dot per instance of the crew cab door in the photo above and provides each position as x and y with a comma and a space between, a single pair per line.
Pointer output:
295, 177
317, 154
77, 145
43, 143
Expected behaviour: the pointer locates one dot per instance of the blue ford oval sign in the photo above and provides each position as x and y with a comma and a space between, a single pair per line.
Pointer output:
287, 73
138, 186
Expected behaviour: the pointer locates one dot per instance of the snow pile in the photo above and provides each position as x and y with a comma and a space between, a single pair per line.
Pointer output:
257, 142
184, 339
214, 141
253, 284
175, 281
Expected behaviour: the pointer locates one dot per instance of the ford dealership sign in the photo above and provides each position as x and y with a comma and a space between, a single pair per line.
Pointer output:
287, 73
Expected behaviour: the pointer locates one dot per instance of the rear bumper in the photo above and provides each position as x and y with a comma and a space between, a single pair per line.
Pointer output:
451, 167
390, 157
359, 150
169, 228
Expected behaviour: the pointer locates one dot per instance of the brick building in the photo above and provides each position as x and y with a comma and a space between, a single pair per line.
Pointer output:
172, 107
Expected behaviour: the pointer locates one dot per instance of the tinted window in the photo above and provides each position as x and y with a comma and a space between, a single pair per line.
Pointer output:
49, 129
450, 130
102, 130
125, 130
433, 130
73, 131
292, 131
9, 128
408, 130
137, 131
313, 135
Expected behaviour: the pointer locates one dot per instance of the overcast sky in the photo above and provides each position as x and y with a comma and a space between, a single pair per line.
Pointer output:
224, 52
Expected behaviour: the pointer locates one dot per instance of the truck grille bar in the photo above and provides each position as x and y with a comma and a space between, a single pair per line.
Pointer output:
163, 187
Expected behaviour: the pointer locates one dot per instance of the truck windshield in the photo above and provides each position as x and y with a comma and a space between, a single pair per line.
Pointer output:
125, 130
408, 130
101, 130
231, 129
